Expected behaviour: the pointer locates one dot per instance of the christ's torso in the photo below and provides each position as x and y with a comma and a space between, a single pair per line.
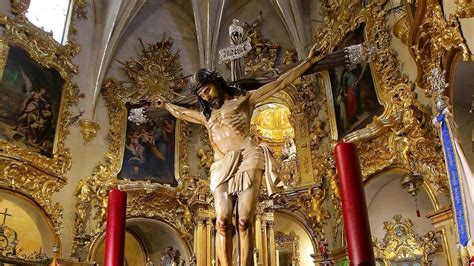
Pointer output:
229, 126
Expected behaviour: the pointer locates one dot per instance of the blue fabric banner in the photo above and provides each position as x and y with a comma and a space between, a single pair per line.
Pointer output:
453, 172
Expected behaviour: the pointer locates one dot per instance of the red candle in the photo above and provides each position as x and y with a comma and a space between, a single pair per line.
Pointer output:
356, 219
115, 232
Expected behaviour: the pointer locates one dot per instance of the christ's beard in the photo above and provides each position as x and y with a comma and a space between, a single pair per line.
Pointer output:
216, 103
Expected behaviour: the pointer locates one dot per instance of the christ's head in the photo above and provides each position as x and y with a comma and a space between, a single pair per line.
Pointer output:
211, 90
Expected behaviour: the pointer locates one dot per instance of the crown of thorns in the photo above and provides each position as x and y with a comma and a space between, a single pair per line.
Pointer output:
201, 77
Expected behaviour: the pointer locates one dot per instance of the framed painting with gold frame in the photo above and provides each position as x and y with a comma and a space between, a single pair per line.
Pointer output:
351, 93
30, 99
36, 74
150, 151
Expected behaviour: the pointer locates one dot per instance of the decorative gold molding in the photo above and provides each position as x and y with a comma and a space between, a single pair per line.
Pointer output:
465, 8
401, 28
88, 129
401, 243
3, 55
264, 52
23, 170
432, 38
80, 9
401, 137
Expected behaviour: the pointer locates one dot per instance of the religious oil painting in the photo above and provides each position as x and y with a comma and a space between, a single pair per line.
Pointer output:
351, 93
150, 148
30, 98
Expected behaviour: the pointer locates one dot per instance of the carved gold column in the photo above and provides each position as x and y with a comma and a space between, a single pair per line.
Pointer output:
271, 239
443, 222
259, 239
303, 146
209, 244
264, 255
200, 241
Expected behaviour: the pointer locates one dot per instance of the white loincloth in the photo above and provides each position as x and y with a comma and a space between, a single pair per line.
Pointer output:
234, 167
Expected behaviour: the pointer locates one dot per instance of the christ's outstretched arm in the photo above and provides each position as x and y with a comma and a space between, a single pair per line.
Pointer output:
284, 80
183, 113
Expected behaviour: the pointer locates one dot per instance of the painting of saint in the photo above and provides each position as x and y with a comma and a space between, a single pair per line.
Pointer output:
354, 99
150, 149
30, 97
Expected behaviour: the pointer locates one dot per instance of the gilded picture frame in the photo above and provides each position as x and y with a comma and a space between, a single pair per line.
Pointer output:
151, 149
352, 92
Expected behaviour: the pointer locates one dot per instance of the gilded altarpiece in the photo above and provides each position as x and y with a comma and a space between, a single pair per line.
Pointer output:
401, 245
33, 161
400, 139
183, 206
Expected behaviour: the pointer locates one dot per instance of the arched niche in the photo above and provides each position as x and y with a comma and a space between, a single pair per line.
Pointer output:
135, 252
291, 226
35, 231
271, 121
386, 198
145, 239
278, 123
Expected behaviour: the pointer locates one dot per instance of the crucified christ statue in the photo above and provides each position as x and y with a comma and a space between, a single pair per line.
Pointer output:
240, 164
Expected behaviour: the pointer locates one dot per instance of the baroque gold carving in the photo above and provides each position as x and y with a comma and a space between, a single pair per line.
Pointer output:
402, 243
157, 72
401, 28
26, 171
80, 9
3, 55
403, 125
288, 242
306, 205
432, 38
465, 8
264, 52
205, 153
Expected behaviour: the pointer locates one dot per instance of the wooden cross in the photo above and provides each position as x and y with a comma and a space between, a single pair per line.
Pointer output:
5, 214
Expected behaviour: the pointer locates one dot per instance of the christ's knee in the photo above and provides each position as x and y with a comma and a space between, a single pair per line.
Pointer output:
223, 225
244, 224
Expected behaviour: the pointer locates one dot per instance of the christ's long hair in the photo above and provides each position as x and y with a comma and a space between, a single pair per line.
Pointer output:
205, 76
